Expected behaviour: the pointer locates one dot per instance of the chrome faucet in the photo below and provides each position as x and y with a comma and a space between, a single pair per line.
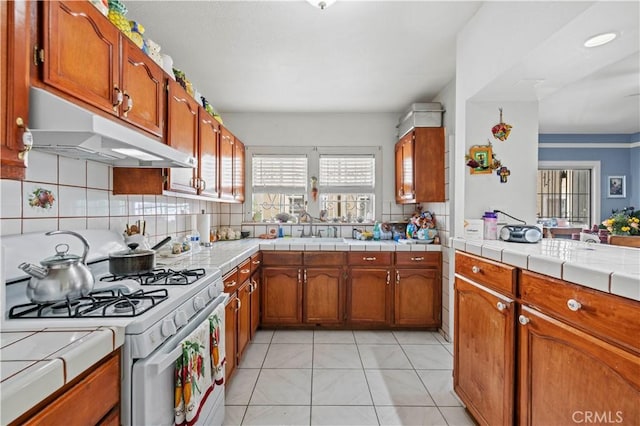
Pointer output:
310, 218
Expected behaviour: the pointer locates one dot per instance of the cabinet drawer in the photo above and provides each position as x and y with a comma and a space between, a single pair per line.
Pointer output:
256, 261
281, 258
418, 259
610, 317
369, 258
244, 271
324, 258
230, 281
494, 275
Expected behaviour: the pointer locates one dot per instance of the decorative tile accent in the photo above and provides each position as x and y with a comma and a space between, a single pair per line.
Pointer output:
39, 200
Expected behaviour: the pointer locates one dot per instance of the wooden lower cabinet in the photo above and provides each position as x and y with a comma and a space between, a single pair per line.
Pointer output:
323, 296
567, 376
94, 399
368, 296
244, 318
417, 300
230, 336
484, 353
281, 295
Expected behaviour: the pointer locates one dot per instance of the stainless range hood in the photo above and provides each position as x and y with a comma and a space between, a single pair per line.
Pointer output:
62, 128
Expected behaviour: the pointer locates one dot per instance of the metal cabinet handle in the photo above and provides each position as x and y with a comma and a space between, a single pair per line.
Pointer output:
245, 271
369, 259
388, 277
574, 305
305, 276
501, 306
119, 98
417, 259
523, 320
475, 269
397, 277
129, 103
203, 184
256, 262
230, 284
299, 275
239, 305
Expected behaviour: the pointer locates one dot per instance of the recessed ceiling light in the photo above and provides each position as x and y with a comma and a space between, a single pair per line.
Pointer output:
600, 39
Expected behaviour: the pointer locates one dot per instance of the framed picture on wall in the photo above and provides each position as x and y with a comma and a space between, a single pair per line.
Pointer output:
480, 159
617, 187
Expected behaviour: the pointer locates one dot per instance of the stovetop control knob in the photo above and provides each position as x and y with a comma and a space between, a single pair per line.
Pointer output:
181, 318
213, 292
168, 328
198, 303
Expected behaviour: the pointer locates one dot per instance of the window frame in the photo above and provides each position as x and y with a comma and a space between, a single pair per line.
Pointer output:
313, 169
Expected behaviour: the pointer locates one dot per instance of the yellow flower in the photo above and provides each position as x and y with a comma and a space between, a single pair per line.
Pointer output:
625, 229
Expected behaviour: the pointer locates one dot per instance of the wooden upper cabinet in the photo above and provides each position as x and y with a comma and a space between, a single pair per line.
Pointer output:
14, 85
142, 88
238, 171
209, 141
226, 164
182, 134
82, 53
420, 166
86, 57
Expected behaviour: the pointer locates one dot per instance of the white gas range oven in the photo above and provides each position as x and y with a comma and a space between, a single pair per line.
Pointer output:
158, 311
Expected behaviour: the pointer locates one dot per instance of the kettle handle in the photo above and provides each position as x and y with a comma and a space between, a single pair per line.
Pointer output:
75, 234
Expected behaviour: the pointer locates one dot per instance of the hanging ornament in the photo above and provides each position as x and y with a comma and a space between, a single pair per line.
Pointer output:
314, 188
501, 130
503, 172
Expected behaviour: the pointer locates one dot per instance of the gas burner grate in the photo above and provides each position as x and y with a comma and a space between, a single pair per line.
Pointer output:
106, 303
161, 276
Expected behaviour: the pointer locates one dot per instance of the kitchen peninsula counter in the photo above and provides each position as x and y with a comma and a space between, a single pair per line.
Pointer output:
610, 269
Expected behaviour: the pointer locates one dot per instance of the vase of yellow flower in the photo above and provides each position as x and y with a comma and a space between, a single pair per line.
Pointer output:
624, 227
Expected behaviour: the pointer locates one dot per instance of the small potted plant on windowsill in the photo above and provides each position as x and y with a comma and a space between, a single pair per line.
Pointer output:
624, 227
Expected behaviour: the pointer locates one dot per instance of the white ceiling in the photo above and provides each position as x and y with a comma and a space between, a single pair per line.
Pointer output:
381, 56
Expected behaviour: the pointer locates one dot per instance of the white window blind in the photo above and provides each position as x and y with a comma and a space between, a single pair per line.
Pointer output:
351, 171
279, 173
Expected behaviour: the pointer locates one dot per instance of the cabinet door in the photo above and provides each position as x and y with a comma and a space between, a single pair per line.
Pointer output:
281, 295
182, 134
323, 295
569, 377
208, 135
238, 171
226, 164
82, 53
244, 317
484, 348
142, 88
417, 299
14, 85
256, 288
428, 161
368, 296
230, 335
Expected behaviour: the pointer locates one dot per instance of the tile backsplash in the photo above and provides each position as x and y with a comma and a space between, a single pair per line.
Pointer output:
83, 199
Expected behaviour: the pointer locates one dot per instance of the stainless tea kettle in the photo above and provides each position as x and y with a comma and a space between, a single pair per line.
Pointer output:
63, 276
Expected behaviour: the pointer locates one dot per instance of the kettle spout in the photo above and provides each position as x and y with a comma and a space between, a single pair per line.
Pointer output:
33, 270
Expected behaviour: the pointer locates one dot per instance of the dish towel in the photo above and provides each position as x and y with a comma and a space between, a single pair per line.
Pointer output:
216, 336
193, 375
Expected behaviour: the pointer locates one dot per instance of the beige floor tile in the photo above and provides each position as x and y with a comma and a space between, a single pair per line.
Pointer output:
277, 415
336, 355
429, 357
375, 336
233, 415
292, 336
383, 356
333, 336
254, 355
241, 386
439, 383
397, 387
263, 336
457, 416
356, 415
427, 416
340, 387
289, 355
282, 386
417, 337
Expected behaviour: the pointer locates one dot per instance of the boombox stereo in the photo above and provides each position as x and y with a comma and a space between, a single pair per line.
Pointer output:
520, 233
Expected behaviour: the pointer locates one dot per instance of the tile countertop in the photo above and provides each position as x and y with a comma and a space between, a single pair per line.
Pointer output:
226, 255
611, 269
36, 363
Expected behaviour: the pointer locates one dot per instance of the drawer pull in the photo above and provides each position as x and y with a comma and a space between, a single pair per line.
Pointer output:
256, 262
523, 320
230, 284
417, 259
388, 277
369, 259
574, 305
501, 306
397, 277
475, 269
245, 271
